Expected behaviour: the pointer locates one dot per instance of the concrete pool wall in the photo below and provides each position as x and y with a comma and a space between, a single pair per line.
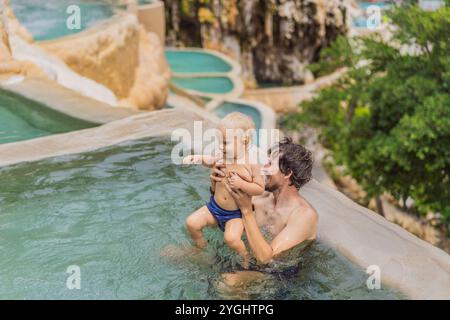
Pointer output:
23, 119
406, 262
38, 107
65, 100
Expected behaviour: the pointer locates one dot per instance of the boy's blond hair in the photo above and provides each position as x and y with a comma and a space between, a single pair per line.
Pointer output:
238, 120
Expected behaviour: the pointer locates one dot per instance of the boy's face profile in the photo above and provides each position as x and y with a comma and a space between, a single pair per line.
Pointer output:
232, 143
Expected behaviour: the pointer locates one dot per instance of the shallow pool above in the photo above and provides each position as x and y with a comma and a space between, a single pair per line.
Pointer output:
214, 85
47, 19
23, 119
185, 61
112, 213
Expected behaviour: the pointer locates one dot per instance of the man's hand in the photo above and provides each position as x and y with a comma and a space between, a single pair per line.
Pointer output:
243, 200
217, 173
192, 159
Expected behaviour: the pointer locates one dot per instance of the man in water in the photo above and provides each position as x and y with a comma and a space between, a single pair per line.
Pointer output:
281, 214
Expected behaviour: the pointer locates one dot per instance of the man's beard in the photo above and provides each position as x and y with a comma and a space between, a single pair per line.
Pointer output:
272, 187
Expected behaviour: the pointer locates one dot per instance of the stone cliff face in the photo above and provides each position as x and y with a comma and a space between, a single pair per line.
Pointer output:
8, 65
122, 56
116, 62
273, 39
20, 56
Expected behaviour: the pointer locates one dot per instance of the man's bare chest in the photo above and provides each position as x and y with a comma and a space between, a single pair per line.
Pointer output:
270, 218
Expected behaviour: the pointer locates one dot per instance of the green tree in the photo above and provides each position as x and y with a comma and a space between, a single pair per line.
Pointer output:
388, 120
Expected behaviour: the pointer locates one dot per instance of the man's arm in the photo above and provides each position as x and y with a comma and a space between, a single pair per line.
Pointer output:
296, 231
260, 247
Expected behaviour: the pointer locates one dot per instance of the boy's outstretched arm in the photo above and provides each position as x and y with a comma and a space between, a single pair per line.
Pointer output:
206, 160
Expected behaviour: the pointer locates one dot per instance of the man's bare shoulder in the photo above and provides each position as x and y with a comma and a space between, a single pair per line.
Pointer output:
305, 216
304, 212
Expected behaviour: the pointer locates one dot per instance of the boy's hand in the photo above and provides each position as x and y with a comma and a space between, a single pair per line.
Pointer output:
192, 159
235, 181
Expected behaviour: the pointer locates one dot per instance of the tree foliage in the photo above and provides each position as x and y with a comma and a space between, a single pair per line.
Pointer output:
388, 120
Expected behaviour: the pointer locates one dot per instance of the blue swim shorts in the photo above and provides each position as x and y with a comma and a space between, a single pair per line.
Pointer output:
222, 216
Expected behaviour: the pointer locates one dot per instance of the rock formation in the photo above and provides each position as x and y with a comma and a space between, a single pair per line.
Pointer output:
274, 40
19, 55
116, 62
122, 56
8, 65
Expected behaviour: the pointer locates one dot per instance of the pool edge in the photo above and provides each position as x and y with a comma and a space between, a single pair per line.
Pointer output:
66, 101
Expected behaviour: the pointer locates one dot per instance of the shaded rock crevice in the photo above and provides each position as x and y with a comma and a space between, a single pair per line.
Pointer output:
274, 40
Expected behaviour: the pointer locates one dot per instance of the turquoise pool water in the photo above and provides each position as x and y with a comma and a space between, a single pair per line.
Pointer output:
217, 85
47, 19
22, 119
195, 62
183, 62
364, 5
114, 213
228, 107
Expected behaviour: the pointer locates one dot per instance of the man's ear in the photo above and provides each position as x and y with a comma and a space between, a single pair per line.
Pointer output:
289, 175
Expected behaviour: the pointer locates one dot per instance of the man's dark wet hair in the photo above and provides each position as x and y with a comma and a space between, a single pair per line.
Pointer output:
297, 159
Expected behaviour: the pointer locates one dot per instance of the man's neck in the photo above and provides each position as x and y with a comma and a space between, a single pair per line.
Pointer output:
284, 193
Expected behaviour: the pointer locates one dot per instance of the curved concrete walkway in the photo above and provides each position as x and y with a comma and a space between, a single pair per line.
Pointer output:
237, 91
407, 263
148, 124
66, 101
287, 99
